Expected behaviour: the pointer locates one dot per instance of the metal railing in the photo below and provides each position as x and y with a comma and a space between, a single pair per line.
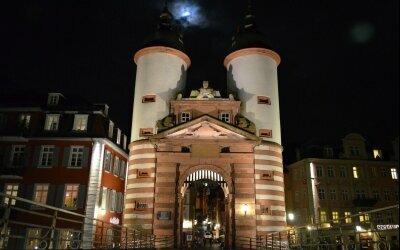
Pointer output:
374, 229
26, 224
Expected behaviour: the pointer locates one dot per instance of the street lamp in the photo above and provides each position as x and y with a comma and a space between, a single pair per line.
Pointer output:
291, 216
245, 208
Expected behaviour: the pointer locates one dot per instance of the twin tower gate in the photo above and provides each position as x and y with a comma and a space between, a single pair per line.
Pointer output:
158, 178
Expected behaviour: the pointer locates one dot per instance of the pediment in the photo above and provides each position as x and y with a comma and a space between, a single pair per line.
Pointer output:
206, 127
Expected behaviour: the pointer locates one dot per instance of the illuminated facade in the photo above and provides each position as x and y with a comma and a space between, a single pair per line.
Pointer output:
233, 142
331, 185
65, 154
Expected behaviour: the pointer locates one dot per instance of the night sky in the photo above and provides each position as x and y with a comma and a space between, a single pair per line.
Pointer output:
339, 70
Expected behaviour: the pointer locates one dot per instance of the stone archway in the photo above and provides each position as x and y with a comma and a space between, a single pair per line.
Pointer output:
213, 173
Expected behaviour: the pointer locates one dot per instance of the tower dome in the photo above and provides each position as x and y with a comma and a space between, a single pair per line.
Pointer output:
167, 33
248, 34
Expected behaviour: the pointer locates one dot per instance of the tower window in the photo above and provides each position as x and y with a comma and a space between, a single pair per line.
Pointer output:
148, 98
142, 174
267, 175
185, 116
263, 100
146, 132
265, 133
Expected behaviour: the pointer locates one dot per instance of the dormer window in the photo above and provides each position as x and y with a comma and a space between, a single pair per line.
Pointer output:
53, 99
24, 120
118, 136
354, 151
185, 116
80, 122
225, 117
377, 154
52, 121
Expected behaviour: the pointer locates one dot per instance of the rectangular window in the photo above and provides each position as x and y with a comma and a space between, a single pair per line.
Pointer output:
185, 116
140, 205
360, 194
384, 172
46, 156
40, 193
53, 98
80, 122
373, 172
342, 171
322, 216
148, 98
10, 189
396, 195
52, 122
112, 200
345, 194
33, 238
24, 120
328, 152
225, 117
146, 132
142, 173
263, 100
393, 171
66, 239
364, 217
125, 142
104, 198
122, 169
355, 173
335, 217
76, 157
116, 166
17, 155
347, 217
330, 171
321, 193
377, 154
354, 151
375, 194
107, 161
71, 196
332, 194
110, 129
319, 171
386, 195
267, 133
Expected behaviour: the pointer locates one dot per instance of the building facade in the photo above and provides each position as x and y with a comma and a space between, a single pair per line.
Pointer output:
321, 190
231, 142
65, 153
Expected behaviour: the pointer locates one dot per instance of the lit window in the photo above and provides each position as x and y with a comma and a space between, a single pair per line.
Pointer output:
321, 193
34, 238
333, 194
80, 122
185, 116
335, 217
116, 166
10, 189
319, 171
17, 155
345, 194
51, 123
110, 129
355, 173
71, 196
67, 239
330, 171
364, 217
107, 161
24, 120
40, 193
377, 154
347, 217
322, 216
393, 171
76, 156
342, 172
225, 117
46, 156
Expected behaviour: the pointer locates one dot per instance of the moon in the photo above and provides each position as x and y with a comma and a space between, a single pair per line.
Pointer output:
188, 13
